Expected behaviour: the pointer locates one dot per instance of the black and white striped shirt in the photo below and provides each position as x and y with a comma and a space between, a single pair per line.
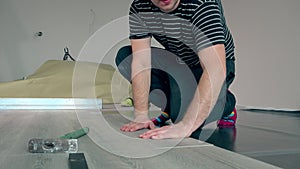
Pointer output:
193, 26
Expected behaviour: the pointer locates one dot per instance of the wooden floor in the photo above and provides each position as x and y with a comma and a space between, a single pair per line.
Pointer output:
18, 126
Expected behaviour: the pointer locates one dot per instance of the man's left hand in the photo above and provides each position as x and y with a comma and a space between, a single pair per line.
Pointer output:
178, 130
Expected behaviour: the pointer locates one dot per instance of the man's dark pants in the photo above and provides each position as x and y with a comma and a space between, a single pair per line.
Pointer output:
173, 84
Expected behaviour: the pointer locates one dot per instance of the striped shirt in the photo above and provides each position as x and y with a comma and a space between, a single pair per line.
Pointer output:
191, 27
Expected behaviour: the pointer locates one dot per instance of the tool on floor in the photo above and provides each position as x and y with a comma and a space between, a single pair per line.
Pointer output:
67, 143
77, 161
76, 134
37, 145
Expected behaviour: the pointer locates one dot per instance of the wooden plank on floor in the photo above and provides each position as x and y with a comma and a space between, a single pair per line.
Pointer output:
18, 126
49, 103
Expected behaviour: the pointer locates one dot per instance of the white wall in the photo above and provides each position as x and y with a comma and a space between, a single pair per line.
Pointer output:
267, 39
265, 32
63, 23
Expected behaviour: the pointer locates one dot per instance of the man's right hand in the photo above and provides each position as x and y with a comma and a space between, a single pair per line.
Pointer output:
140, 122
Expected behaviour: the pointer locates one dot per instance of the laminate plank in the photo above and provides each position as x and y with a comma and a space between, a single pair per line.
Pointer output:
18, 126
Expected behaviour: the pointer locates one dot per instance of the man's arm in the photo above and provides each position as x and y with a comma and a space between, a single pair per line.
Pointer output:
213, 63
141, 65
141, 73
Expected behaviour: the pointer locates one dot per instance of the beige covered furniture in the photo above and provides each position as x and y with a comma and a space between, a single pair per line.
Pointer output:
68, 79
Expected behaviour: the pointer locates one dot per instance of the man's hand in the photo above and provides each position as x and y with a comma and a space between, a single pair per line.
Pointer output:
179, 130
140, 122
141, 73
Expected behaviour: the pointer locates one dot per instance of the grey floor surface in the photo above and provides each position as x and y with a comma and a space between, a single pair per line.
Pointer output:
18, 126
269, 136
272, 137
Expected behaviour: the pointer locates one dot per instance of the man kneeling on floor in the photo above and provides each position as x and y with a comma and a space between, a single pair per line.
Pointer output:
189, 78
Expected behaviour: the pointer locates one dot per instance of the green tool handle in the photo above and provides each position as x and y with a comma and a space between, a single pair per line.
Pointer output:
75, 134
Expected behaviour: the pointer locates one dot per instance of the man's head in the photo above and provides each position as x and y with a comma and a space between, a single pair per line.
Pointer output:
166, 5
